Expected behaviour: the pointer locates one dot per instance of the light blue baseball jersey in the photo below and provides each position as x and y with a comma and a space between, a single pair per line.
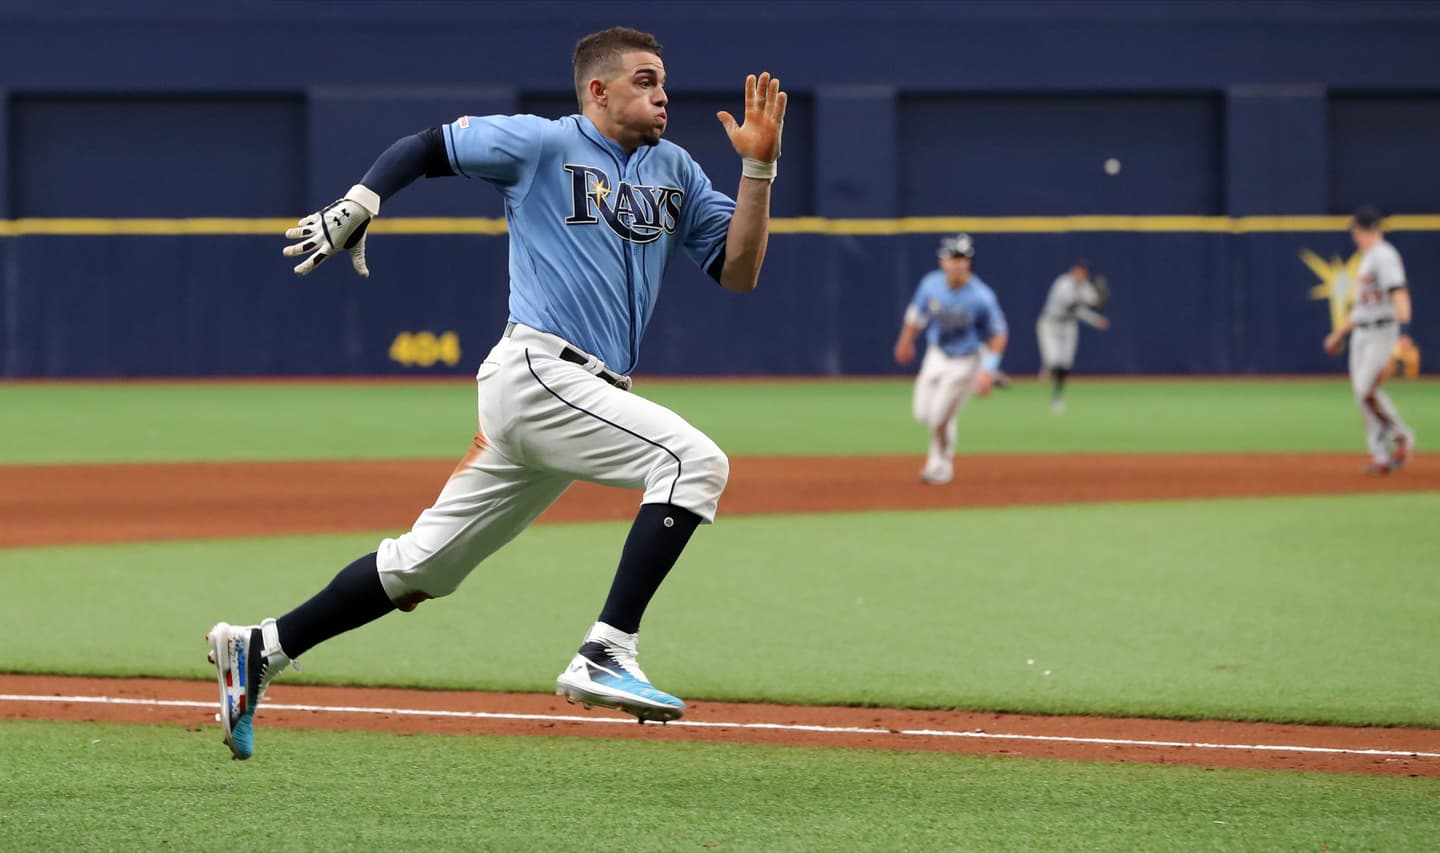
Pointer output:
958, 320
591, 230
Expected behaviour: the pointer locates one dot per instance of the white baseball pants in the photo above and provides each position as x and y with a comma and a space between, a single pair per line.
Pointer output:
942, 387
1058, 340
1369, 352
545, 422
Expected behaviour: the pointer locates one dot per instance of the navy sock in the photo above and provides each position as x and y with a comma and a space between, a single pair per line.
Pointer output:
1059, 374
657, 537
352, 599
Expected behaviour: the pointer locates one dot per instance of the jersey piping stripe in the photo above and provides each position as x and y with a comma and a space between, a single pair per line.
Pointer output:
583, 410
227, 226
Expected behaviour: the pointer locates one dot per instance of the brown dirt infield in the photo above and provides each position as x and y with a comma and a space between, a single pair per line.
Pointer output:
60, 504
48, 505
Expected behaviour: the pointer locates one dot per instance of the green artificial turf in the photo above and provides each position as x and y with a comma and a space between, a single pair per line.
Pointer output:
134, 422
112, 787
1314, 609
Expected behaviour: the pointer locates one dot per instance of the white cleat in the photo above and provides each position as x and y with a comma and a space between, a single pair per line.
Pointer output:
937, 474
604, 673
245, 658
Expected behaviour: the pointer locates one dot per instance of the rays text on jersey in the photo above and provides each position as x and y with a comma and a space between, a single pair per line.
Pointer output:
636, 212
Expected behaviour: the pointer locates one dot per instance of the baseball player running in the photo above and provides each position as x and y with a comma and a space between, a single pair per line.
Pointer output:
966, 333
1073, 299
1379, 318
597, 206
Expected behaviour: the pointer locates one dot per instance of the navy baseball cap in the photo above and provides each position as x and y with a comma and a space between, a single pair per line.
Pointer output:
1368, 216
959, 246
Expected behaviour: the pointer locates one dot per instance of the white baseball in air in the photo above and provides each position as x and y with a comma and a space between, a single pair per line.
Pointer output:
1112, 166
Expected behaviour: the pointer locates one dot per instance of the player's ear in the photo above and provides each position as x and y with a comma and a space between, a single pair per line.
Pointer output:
598, 92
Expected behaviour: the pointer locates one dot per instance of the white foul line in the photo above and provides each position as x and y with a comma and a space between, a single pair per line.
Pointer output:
788, 727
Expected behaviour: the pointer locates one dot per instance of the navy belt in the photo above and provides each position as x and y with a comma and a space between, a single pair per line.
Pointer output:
1374, 324
575, 356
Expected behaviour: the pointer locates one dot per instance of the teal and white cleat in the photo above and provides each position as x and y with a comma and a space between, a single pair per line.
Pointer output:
604, 673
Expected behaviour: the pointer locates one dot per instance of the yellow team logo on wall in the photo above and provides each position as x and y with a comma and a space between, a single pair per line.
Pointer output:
1337, 283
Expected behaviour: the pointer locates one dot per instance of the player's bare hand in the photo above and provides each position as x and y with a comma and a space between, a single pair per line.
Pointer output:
1332, 343
904, 352
984, 382
758, 138
338, 227
1102, 323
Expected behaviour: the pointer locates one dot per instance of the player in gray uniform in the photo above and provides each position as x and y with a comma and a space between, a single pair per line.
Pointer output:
1379, 318
1072, 300
597, 205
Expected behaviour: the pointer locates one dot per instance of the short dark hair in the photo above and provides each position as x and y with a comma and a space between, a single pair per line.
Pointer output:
1368, 216
600, 52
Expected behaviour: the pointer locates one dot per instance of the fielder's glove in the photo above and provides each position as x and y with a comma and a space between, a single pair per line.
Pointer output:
1404, 360
338, 226
1102, 291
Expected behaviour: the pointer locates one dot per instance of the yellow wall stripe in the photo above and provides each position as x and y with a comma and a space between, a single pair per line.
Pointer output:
798, 225
147, 227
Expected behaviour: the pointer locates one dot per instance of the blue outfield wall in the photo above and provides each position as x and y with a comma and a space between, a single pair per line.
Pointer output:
1187, 302
1216, 112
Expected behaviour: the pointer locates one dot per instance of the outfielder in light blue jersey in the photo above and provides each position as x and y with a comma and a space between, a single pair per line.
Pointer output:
597, 206
957, 321
966, 333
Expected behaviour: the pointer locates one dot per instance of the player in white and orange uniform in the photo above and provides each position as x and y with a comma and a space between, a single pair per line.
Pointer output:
1379, 318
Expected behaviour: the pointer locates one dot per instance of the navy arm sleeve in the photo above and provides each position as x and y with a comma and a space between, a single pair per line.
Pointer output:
410, 158
717, 266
